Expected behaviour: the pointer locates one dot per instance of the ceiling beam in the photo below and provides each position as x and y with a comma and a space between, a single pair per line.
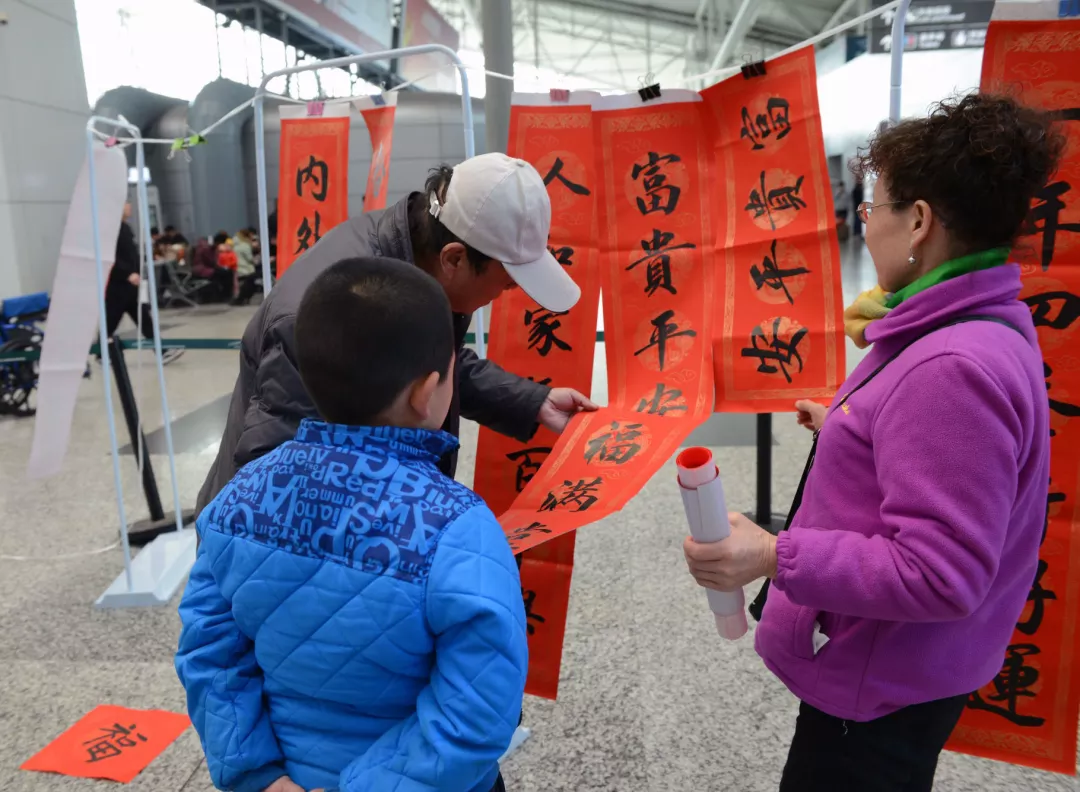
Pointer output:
740, 26
838, 15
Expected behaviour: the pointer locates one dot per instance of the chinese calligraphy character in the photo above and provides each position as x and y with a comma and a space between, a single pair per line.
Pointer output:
529, 598
663, 331
658, 261
527, 465
1047, 211
556, 173
564, 255
542, 326
662, 197
769, 274
1010, 685
616, 446
663, 401
774, 119
1060, 407
544, 381
521, 534
775, 355
764, 202
318, 174
1042, 305
1037, 597
580, 496
305, 233
111, 743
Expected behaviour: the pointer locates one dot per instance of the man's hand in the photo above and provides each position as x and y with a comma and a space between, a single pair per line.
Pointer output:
561, 405
284, 784
134, 279
728, 565
811, 414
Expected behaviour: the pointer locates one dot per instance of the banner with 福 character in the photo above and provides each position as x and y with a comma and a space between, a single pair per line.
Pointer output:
1028, 713
557, 139
378, 112
313, 186
779, 304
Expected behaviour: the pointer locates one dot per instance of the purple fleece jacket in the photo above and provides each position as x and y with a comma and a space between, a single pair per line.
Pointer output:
918, 535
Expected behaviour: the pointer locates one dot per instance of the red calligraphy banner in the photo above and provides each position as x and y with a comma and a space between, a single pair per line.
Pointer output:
547, 347
656, 280
1028, 713
779, 335
313, 190
378, 113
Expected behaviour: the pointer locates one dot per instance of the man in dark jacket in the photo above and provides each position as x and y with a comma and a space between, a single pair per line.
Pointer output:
479, 233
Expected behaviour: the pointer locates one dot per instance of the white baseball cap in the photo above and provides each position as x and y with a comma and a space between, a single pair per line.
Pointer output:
500, 206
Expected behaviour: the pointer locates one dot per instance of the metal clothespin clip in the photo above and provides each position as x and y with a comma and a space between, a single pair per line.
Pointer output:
185, 144
316, 109
648, 90
751, 69
559, 95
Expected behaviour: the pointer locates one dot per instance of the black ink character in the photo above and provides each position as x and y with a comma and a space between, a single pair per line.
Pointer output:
112, 742
765, 202
1010, 685
556, 173
1037, 597
773, 120
527, 465
616, 446
662, 401
579, 496
1060, 407
662, 197
775, 355
663, 331
306, 236
1043, 305
1045, 218
564, 255
529, 598
542, 326
772, 276
658, 261
521, 534
318, 174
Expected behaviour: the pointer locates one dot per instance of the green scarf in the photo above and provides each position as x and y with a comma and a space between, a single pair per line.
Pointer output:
973, 262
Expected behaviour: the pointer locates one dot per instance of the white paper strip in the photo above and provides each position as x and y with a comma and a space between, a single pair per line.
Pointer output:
73, 309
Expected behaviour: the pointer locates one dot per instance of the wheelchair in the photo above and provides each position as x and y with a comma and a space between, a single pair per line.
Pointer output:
21, 332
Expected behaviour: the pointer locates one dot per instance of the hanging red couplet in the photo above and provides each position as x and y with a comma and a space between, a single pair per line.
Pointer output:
113, 743
779, 335
378, 113
547, 347
313, 191
656, 279
1028, 713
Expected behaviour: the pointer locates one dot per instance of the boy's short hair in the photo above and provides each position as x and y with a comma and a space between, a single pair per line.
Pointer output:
368, 328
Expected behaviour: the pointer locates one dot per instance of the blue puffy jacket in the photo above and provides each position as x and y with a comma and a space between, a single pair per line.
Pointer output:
353, 620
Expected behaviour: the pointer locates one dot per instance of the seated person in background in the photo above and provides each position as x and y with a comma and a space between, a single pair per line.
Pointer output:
354, 619
244, 247
172, 237
204, 264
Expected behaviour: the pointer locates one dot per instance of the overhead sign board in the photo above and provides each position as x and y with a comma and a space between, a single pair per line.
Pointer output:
934, 25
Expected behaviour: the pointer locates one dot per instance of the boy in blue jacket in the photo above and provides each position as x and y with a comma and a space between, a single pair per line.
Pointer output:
354, 618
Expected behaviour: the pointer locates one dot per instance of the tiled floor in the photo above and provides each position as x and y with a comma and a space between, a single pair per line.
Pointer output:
650, 699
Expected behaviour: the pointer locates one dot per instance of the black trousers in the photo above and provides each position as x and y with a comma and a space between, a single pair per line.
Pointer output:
123, 298
499, 785
895, 753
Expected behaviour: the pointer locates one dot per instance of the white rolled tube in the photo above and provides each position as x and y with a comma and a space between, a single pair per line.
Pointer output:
706, 512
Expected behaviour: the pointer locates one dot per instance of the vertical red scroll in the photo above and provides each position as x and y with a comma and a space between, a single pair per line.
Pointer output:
378, 113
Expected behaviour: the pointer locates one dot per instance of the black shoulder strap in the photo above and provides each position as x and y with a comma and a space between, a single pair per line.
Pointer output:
959, 320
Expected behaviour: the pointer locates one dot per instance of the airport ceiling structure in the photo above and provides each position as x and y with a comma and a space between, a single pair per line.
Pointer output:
616, 44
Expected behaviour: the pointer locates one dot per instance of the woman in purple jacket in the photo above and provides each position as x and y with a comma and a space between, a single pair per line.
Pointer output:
915, 537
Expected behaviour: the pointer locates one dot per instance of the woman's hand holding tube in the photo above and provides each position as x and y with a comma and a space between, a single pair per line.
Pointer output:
748, 554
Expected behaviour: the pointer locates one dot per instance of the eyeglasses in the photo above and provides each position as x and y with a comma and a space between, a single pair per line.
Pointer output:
865, 209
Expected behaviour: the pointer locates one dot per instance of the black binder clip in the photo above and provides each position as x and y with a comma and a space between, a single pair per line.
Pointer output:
753, 69
648, 90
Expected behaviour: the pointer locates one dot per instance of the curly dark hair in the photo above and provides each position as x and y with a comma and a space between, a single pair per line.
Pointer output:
429, 235
977, 160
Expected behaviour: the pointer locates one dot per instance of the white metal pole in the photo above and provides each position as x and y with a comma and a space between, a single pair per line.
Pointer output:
897, 71
103, 340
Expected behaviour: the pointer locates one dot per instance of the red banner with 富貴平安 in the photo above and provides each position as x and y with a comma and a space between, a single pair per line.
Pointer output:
313, 189
378, 113
554, 348
1028, 713
779, 334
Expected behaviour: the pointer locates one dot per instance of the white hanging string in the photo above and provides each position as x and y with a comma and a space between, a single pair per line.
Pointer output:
62, 557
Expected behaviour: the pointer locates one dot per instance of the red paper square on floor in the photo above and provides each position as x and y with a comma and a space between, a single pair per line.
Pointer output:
114, 743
